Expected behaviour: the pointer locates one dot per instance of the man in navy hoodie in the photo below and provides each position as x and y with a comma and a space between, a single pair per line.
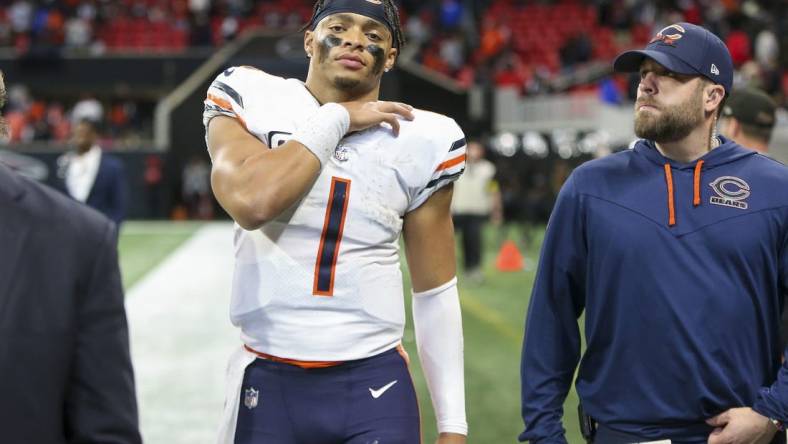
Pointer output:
677, 251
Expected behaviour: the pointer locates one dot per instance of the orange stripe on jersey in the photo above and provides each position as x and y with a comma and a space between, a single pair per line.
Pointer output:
227, 106
295, 362
221, 102
451, 162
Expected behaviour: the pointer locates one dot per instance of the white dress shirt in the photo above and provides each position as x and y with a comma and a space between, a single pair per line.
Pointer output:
81, 173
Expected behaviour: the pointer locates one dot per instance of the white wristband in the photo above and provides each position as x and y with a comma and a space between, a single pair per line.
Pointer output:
321, 132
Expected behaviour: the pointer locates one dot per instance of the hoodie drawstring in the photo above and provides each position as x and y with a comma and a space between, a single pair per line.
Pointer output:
698, 168
671, 191
671, 205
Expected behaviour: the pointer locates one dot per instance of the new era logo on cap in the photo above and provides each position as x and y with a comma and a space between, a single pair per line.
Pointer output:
714, 70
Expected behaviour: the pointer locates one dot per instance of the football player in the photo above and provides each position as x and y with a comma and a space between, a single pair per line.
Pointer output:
321, 179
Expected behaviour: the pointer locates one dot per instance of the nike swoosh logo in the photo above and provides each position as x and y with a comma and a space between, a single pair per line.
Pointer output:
379, 392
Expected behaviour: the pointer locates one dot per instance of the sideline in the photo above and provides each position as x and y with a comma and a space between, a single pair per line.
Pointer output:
181, 337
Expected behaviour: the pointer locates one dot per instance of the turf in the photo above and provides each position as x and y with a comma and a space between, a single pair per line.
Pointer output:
143, 245
493, 322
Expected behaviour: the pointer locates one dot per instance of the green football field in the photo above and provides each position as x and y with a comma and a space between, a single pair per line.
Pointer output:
493, 321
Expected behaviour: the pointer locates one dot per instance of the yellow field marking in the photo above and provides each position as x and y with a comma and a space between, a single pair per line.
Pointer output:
489, 316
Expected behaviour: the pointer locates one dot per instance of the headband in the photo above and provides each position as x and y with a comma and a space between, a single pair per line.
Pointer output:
368, 8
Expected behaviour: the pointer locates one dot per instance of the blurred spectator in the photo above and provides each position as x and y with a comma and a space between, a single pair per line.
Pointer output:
511, 72
89, 175
229, 28
767, 49
78, 33
748, 117
452, 53
451, 12
20, 14
476, 199
609, 92
738, 43
153, 177
575, 51
493, 38
417, 29
199, 7
88, 109
197, 188
201, 30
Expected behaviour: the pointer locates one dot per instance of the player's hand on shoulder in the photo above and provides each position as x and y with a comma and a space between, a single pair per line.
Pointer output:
741, 426
450, 438
364, 115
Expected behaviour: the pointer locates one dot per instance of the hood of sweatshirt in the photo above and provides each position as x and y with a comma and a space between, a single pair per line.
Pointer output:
730, 190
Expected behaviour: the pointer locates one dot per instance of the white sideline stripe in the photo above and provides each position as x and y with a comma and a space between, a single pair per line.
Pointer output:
146, 228
181, 338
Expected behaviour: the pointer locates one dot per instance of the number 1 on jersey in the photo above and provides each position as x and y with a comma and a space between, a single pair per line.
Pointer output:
334, 224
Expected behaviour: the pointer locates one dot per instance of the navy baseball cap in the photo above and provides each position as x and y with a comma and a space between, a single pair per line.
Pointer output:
684, 48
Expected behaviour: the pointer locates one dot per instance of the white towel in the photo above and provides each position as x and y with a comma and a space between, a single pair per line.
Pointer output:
236, 368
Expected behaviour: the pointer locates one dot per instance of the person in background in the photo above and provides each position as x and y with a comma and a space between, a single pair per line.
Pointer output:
476, 200
676, 252
196, 188
91, 176
748, 117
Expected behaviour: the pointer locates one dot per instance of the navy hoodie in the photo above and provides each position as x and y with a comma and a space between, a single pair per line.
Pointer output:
681, 270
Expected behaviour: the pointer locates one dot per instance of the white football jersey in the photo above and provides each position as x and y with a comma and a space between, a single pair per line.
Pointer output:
322, 282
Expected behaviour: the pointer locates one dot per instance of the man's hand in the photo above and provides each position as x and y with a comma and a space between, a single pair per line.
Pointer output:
367, 114
741, 426
450, 438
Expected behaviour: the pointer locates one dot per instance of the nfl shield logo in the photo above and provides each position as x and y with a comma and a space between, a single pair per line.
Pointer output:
250, 398
342, 153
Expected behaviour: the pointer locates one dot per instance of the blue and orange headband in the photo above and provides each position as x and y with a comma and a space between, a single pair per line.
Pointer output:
368, 8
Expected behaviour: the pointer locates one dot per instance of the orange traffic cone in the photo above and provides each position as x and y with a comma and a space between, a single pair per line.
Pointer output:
509, 258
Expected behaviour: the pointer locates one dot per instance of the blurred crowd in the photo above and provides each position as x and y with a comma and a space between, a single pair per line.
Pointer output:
527, 44
97, 26
507, 42
31, 119
520, 44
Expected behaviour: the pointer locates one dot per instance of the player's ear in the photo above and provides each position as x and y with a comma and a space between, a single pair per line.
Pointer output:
391, 58
309, 39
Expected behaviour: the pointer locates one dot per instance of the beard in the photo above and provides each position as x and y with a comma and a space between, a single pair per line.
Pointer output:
672, 124
346, 84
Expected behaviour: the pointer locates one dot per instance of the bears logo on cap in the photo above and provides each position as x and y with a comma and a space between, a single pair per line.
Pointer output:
668, 39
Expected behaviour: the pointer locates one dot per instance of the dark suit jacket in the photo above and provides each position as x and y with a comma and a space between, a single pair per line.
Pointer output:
65, 369
109, 193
